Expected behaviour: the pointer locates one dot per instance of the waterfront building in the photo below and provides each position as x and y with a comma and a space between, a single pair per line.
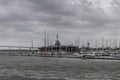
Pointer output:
57, 48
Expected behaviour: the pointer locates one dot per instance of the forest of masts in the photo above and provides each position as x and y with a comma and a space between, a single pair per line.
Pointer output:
103, 43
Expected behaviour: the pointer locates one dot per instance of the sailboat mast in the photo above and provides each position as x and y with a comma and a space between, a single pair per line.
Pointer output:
45, 42
103, 43
32, 44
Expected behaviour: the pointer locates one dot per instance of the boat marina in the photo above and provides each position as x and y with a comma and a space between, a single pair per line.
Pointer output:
63, 51
59, 39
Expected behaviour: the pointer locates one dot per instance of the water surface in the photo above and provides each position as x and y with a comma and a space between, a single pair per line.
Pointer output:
46, 68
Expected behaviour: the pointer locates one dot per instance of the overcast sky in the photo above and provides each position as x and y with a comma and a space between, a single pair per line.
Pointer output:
24, 20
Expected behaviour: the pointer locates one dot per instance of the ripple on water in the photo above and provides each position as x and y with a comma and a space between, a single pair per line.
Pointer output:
37, 68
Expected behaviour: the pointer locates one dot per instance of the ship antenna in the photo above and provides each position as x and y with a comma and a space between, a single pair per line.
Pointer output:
57, 37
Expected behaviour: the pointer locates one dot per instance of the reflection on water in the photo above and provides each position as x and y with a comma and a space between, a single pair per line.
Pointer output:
40, 68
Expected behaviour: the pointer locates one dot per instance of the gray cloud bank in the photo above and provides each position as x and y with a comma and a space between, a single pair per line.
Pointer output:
22, 20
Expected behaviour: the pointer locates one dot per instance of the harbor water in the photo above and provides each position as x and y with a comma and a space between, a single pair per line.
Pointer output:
48, 68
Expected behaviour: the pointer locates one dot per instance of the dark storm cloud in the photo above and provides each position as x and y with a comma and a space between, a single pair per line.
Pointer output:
23, 19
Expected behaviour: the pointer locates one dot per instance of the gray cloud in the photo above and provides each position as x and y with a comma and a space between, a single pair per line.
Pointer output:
20, 20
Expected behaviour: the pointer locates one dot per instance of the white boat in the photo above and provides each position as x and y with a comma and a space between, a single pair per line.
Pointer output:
117, 56
89, 55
